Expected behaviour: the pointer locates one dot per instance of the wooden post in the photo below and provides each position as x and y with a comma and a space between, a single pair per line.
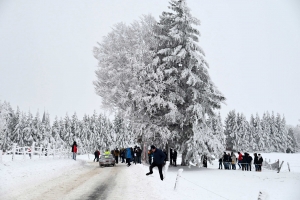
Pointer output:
48, 150
280, 167
289, 167
177, 178
40, 152
14, 150
24, 153
32, 149
54, 149
166, 169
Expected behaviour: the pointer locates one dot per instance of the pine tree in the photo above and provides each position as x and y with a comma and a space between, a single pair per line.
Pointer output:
257, 136
231, 131
266, 133
187, 94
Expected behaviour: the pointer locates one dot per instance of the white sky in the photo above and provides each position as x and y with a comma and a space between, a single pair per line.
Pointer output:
46, 59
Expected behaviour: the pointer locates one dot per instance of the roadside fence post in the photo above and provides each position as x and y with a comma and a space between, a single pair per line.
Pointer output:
166, 168
54, 149
32, 150
24, 153
14, 150
177, 178
288, 166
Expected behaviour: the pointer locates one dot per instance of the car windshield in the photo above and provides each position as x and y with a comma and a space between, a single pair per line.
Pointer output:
106, 156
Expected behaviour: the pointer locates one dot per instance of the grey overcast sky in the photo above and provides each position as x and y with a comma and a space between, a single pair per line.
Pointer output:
46, 59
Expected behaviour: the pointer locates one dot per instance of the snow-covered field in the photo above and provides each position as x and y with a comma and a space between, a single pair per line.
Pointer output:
20, 177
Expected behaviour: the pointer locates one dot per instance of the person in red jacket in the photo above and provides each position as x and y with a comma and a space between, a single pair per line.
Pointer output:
74, 150
240, 159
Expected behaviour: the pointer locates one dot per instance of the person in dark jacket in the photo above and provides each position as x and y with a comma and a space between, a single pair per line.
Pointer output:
244, 162
220, 162
249, 162
139, 155
97, 154
174, 157
225, 161
74, 150
255, 161
259, 162
158, 161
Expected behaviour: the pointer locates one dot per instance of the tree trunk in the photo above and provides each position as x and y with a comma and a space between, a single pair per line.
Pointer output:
183, 161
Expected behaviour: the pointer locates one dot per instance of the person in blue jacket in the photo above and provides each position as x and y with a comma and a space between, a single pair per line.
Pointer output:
158, 161
128, 154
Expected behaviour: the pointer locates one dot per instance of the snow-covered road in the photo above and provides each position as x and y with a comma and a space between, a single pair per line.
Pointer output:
87, 182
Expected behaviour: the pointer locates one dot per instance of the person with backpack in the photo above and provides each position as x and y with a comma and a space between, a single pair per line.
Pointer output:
158, 161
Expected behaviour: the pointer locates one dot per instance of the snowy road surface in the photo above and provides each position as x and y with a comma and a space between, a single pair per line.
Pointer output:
88, 182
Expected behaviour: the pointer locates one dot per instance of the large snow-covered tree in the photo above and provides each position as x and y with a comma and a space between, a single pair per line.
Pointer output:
170, 93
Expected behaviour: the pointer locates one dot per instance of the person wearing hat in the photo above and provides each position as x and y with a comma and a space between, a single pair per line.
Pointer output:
158, 161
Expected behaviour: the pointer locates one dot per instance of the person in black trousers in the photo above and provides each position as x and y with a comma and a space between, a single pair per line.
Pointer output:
158, 161
174, 156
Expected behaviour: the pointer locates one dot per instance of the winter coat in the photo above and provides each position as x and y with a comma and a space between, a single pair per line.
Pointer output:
74, 148
97, 153
174, 157
128, 153
245, 159
255, 160
158, 157
106, 153
260, 160
233, 159
225, 157
138, 152
240, 158
249, 159
116, 152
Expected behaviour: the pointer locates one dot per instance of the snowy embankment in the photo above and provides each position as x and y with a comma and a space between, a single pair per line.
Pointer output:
20, 176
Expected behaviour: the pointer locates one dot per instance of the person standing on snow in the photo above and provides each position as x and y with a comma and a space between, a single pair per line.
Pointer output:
255, 161
240, 159
74, 150
249, 161
116, 154
174, 156
259, 162
107, 153
128, 155
233, 160
139, 155
97, 154
158, 161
